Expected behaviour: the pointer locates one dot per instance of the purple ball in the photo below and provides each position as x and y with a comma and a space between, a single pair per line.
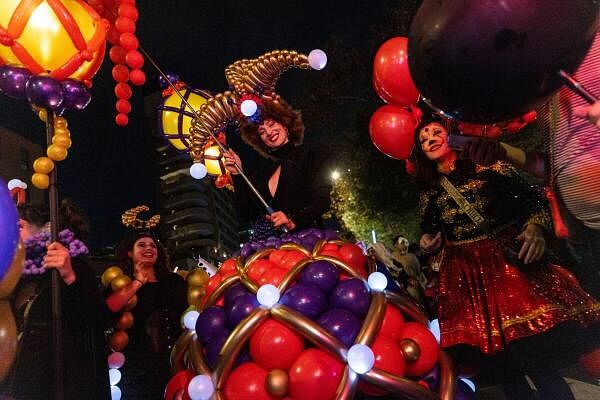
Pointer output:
340, 323
246, 251
214, 346
209, 322
13, 81
273, 242
432, 378
307, 300
44, 91
309, 241
240, 308
463, 391
321, 274
318, 233
233, 292
303, 234
76, 95
353, 295
330, 234
173, 77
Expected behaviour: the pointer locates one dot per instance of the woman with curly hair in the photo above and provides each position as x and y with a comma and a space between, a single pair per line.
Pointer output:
296, 180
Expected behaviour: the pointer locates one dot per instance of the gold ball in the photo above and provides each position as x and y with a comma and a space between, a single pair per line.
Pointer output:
197, 277
277, 382
62, 140
195, 295
132, 302
43, 165
62, 131
109, 274
410, 350
56, 153
60, 122
40, 181
42, 115
120, 282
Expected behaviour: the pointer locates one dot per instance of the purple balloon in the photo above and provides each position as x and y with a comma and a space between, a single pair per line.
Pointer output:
306, 299
246, 251
330, 234
13, 81
340, 323
303, 234
463, 391
76, 95
9, 229
214, 346
209, 322
273, 242
240, 308
173, 77
321, 274
353, 295
233, 292
44, 91
432, 378
309, 241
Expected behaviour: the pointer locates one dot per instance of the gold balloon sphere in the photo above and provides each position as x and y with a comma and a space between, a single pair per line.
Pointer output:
8, 338
277, 382
410, 350
119, 340
60, 123
62, 130
43, 165
40, 181
109, 274
42, 115
125, 321
195, 295
120, 282
131, 303
197, 277
13, 274
62, 140
56, 153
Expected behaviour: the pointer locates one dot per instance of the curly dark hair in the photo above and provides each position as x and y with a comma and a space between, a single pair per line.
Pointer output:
161, 268
70, 216
278, 110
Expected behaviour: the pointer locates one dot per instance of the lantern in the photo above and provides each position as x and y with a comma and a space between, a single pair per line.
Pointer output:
213, 159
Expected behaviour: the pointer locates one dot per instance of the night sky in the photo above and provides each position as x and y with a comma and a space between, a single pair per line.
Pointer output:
110, 168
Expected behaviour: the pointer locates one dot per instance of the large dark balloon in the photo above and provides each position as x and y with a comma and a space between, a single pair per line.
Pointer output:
353, 295
306, 299
214, 346
209, 322
321, 274
340, 323
240, 308
13, 80
45, 92
76, 95
488, 61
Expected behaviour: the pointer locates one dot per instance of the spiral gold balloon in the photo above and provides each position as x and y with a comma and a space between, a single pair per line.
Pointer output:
8, 338
13, 274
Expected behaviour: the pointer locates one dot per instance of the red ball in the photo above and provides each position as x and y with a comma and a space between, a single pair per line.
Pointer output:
391, 74
128, 41
591, 363
213, 283
124, 24
123, 91
331, 253
134, 59
258, 267
123, 106
274, 276
291, 259
229, 267
315, 376
393, 323
428, 346
120, 73
177, 382
392, 131
275, 346
329, 247
530, 117
353, 255
113, 36
117, 54
129, 11
277, 256
137, 77
247, 382
122, 119
388, 358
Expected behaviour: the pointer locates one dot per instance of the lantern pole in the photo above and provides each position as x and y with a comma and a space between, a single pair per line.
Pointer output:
56, 285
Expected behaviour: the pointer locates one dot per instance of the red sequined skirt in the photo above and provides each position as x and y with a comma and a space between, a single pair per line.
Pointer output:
485, 302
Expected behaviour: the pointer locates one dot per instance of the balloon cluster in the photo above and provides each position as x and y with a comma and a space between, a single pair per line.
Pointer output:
392, 126
123, 15
284, 321
44, 90
35, 249
56, 151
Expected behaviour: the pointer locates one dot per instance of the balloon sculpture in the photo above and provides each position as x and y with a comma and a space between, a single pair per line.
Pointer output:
491, 61
303, 317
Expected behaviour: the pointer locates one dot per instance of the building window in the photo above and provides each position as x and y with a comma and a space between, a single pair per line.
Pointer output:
24, 160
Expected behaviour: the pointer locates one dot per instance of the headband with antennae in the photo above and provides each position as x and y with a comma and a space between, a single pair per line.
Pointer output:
131, 220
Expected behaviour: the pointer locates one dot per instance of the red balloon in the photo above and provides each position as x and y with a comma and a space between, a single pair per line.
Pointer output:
393, 322
490, 131
128, 41
228, 267
291, 259
137, 77
124, 24
329, 246
428, 346
134, 59
331, 253
123, 106
274, 276
275, 346
277, 256
122, 119
392, 131
388, 358
120, 73
247, 382
352, 255
212, 284
391, 76
123, 91
315, 376
128, 11
591, 363
177, 382
258, 267
117, 54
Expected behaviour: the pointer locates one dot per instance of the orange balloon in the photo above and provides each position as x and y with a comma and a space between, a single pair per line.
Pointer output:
119, 340
125, 321
8, 338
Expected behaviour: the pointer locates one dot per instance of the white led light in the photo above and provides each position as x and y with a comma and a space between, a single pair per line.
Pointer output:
434, 327
469, 383
189, 319
198, 171
317, 59
360, 358
115, 393
268, 295
377, 281
114, 376
201, 387
248, 107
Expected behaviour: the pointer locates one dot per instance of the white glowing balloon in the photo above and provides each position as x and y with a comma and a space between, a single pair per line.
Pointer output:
377, 281
248, 107
317, 59
434, 327
268, 295
201, 387
198, 171
114, 376
469, 383
115, 393
189, 319
360, 358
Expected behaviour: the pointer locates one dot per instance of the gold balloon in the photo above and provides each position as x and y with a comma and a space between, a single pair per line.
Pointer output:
120, 282
176, 116
62, 140
195, 295
42, 115
277, 382
56, 152
8, 338
183, 273
197, 277
43, 165
125, 321
40, 181
109, 274
410, 350
13, 274
131, 303
60, 123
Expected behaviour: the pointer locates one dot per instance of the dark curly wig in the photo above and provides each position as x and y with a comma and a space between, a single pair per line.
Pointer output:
278, 110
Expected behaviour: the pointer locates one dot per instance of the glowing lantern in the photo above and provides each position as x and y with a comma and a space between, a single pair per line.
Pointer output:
63, 38
213, 159
175, 118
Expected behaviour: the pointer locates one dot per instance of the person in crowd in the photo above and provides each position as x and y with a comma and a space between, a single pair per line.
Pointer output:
497, 295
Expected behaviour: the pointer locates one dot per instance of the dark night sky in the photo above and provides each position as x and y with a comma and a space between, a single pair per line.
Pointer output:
110, 168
